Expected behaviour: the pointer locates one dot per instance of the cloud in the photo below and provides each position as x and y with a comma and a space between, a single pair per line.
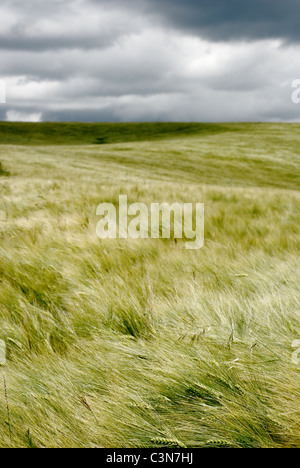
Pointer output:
95, 60
15, 116
40, 26
219, 20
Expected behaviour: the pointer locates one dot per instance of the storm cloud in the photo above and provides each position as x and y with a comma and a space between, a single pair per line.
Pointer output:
233, 20
144, 60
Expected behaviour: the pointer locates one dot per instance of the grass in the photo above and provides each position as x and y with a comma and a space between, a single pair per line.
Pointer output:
141, 343
101, 133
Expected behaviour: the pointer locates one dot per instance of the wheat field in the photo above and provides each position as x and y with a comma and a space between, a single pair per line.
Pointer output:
140, 343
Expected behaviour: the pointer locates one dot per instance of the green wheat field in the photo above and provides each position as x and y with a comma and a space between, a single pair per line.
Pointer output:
141, 343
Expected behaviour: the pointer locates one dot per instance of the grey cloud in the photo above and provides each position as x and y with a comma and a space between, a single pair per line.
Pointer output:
82, 115
23, 43
39, 25
216, 20
113, 60
229, 20
2, 112
244, 19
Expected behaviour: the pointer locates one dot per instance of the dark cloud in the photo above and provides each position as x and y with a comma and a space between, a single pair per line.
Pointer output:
222, 20
232, 20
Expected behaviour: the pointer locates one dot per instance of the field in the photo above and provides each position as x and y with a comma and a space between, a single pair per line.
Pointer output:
140, 343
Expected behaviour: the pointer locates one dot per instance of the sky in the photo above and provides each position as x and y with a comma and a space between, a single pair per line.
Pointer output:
149, 60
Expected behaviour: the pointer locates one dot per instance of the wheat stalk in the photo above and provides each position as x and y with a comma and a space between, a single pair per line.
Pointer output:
7, 406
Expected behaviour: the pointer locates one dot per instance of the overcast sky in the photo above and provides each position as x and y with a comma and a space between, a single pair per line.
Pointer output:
149, 60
